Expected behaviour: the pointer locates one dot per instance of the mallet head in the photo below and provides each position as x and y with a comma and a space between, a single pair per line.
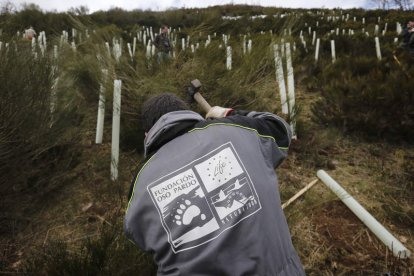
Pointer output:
194, 88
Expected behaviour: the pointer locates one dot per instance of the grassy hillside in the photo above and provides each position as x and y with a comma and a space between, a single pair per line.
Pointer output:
61, 213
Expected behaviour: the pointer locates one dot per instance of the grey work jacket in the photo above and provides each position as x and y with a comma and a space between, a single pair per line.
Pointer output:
207, 201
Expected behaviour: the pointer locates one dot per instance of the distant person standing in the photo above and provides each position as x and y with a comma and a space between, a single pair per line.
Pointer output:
408, 37
163, 45
29, 33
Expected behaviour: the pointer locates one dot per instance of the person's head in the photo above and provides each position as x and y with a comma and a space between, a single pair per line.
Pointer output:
164, 29
155, 107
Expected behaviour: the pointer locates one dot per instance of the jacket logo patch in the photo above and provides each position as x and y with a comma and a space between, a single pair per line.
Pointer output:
203, 199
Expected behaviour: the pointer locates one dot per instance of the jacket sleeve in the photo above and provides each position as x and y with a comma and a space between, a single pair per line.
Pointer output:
268, 124
269, 127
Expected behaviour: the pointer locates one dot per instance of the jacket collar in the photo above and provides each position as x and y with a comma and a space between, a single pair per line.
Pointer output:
168, 127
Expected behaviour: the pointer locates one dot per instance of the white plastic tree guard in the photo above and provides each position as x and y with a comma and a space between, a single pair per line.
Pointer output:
134, 46
377, 48
249, 46
33, 45
152, 34
53, 95
398, 28
108, 48
153, 49
117, 52
376, 30
318, 41
130, 50
291, 89
333, 51
55, 51
228, 60
116, 121
280, 79
313, 38
377, 228
73, 34
101, 109
244, 44
148, 54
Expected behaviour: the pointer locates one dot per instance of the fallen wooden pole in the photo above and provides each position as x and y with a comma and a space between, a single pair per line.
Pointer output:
301, 192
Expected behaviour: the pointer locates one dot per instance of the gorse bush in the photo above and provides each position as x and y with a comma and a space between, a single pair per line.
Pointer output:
370, 97
34, 133
109, 254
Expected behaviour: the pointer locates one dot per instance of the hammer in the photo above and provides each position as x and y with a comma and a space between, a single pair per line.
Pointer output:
194, 94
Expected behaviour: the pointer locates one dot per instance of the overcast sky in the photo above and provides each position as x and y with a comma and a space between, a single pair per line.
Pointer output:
94, 5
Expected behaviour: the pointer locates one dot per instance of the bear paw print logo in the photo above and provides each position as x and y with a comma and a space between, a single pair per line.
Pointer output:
187, 214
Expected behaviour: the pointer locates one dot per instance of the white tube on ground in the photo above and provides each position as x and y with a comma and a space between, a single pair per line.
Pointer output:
249, 46
101, 109
377, 228
116, 120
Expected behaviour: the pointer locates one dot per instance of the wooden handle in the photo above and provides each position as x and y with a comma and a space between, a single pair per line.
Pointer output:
202, 102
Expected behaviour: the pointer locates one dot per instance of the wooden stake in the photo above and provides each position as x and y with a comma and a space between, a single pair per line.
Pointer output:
301, 192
